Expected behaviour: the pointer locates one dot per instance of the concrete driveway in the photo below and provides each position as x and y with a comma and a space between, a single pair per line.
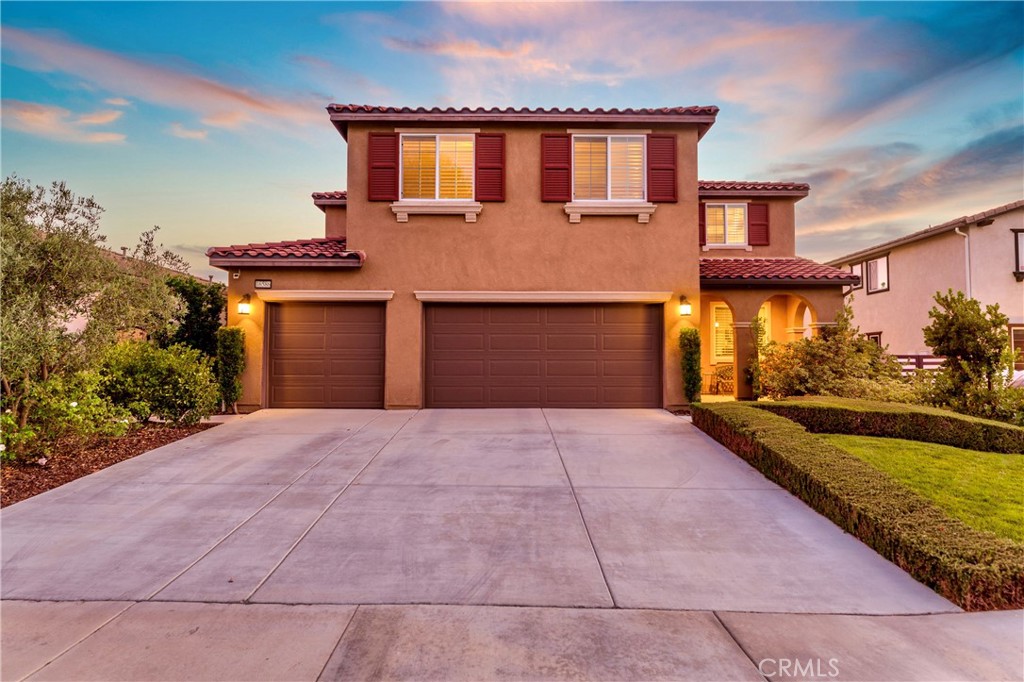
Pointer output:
292, 544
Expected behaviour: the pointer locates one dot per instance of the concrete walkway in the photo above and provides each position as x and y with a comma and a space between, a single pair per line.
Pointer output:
517, 544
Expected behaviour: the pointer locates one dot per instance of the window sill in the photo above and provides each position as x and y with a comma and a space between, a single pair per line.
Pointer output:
404, 209
727, 247
641, 209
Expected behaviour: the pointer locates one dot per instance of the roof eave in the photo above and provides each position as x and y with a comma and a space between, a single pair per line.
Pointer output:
322, 204
770, 282
736, 193
284, 262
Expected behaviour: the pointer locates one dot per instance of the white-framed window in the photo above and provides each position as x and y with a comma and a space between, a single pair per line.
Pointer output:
857, 269
874, 336
725, 224
721, 334
878, 274
437, 166
609, 167
765, 315
1018, 247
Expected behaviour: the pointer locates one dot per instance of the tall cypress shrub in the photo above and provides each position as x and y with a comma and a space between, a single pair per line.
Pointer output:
689, 344
230, 363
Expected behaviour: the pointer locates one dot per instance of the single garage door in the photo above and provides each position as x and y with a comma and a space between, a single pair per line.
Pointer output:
326, 355
571, 355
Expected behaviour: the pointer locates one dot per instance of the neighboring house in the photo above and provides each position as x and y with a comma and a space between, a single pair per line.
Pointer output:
520, 257
981, 255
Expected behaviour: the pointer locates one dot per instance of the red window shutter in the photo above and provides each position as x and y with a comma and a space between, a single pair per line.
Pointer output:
757, 224
702, 228
490, 167
556, 167
383, 181
661, 169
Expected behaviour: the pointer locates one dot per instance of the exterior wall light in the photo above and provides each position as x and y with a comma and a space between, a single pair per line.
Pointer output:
685, 309
244, 306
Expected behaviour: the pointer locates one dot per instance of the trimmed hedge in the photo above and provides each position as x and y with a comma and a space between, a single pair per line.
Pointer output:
976, 570
897, 420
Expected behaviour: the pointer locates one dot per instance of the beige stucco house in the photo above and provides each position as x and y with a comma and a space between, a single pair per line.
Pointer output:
981, 255
520, 257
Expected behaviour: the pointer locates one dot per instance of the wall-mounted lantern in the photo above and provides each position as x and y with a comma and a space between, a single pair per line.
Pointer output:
244, 306
685, 309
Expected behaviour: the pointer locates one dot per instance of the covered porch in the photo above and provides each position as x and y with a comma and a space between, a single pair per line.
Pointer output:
793, 298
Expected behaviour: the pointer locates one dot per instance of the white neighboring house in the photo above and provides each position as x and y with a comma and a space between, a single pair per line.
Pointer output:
981, 255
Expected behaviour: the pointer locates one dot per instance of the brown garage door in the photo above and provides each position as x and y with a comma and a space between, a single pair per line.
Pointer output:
326, 355
590, 355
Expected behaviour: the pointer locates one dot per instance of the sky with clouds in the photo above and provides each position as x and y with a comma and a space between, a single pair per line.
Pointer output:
208, 118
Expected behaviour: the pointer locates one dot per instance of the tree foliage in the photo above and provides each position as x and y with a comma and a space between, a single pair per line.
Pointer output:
197, 316
63, 298
975, 375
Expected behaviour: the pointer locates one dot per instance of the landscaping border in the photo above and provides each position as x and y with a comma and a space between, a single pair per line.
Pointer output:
974, 569
892, 420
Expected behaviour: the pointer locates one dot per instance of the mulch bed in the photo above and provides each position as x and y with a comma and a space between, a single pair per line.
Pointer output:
66, 463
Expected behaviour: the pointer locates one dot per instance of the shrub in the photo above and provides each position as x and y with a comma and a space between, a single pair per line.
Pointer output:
972, 568
892, 420
230, 363
64, 407
689, 344
839, 361
199, 317
176, 384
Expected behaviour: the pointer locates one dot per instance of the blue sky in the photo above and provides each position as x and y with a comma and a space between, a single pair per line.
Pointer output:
208, 118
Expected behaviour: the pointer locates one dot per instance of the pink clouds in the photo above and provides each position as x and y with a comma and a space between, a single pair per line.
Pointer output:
218, 104
184, 133
57, 123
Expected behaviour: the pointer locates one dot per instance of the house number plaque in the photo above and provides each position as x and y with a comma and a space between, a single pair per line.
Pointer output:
264, 284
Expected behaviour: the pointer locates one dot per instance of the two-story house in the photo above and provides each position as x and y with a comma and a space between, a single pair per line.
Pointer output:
520, 257
981, 255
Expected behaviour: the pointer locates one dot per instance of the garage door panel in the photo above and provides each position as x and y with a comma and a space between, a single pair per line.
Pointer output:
515, 342
514, 368
326, 355
578, 355
557, 341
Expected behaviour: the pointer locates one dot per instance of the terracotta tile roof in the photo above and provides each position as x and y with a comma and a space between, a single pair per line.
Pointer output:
949, 226
751, 185
343, 114
336, 195
523, 111
771, 270
300, 252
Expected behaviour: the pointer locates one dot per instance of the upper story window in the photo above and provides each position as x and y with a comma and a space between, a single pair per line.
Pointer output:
437, 167
726, 224
878, 274
1018, 246
608, 167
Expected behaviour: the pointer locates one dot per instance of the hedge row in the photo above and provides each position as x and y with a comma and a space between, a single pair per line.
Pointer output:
975, 569
895, 420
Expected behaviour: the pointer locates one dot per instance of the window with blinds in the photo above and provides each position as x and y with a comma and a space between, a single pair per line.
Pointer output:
608, 167
878, 274
726, 224
437, 166
722, 334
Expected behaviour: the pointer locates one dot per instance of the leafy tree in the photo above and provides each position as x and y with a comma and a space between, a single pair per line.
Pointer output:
63, 298
974, 377
198, 316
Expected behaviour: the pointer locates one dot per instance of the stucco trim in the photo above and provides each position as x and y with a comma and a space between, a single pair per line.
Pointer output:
641, 209
406, 208
280, 295
543, 296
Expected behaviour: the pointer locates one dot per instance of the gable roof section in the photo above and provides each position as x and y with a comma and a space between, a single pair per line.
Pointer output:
963, 221
321, 253
749, 188
771, 272
343, 114
332, 198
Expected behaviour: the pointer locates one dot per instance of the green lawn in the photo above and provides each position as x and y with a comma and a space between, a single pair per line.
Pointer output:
983, 489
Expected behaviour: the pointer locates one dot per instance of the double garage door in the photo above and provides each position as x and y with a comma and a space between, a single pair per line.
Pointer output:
486, 355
